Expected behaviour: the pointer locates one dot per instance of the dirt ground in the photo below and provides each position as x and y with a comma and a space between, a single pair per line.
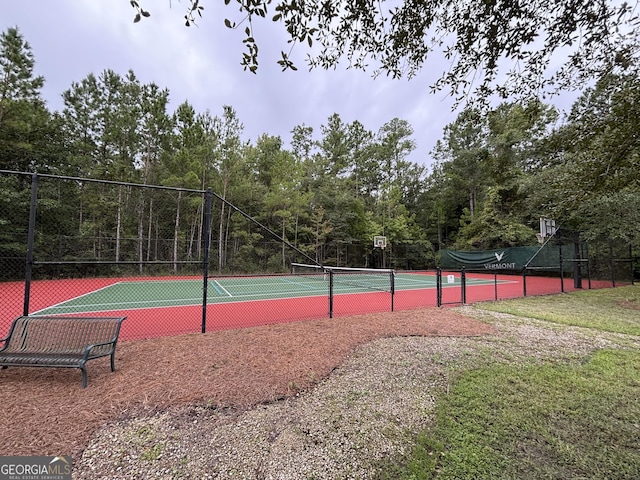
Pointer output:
47, 412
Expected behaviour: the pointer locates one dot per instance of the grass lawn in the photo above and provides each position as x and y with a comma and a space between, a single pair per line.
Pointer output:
550, 419
609, 310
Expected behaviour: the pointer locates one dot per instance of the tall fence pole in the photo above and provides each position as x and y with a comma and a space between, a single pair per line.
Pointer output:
577, 265
330, 293
393, 287
463, 285
205, 262
30, 242
632, 265
561, 269
611, 265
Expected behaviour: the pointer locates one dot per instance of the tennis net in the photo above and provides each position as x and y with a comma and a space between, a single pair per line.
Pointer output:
380, 279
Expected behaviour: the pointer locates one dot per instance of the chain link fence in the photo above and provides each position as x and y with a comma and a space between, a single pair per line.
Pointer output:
176, 260
173, 260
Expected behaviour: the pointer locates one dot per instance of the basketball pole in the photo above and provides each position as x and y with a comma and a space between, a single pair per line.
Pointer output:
548, 238
544, 244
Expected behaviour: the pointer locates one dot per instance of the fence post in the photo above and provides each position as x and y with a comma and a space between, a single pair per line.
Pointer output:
30, 242
463, 285
438, 287
611, 265
205, 261
561, 269
393, 287
633, 272
330, 293
577, 265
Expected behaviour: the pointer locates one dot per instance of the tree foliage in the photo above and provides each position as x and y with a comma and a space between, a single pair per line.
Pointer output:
506, 47
327, 194
593, 161
23, 117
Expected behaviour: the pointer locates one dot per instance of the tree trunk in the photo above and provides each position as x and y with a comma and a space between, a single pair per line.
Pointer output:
140, 239
221, 230
176, 233
150, 230
118, 223
284, 265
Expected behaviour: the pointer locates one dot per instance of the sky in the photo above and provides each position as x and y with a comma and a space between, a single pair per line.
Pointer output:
201, 64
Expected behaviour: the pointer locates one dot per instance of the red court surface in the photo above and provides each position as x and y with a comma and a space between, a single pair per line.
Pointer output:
176, 320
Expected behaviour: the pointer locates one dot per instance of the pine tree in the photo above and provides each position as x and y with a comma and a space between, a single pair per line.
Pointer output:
22, 112
17, 82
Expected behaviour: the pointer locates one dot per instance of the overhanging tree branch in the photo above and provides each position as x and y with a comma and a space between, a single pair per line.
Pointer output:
496, 47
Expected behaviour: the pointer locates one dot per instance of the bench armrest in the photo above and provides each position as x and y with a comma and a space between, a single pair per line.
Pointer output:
87, 350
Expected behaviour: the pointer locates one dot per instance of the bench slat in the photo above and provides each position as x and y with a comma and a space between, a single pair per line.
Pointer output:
17, 359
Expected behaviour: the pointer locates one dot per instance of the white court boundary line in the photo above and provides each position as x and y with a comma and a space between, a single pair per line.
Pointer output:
224, 290
56, 305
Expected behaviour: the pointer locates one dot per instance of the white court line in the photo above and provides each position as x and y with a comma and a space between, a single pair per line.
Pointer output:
125, 305
304, 285
222, 288
57, 305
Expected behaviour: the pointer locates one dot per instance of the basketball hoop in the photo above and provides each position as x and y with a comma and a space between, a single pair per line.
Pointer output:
547, 227
380, 241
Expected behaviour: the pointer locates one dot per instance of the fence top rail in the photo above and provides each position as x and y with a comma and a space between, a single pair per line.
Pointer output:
98, 180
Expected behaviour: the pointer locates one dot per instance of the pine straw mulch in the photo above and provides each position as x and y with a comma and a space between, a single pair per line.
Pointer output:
46, 412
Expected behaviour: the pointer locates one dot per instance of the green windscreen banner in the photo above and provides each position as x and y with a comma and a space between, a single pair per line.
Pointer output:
513, 258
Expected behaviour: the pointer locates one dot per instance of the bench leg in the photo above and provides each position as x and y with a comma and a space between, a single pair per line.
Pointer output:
113, 362
84, 377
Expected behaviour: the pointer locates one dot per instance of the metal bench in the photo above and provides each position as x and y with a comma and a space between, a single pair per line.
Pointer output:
49, 341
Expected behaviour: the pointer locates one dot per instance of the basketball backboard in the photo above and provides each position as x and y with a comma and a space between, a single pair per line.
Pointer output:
379, 241
547, 227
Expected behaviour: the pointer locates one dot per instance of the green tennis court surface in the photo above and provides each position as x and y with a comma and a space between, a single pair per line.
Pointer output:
133, 295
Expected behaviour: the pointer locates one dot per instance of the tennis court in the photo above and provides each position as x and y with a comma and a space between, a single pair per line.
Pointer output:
145, 294
168, 306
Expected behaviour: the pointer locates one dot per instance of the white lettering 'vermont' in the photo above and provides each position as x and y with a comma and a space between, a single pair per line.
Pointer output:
500, 266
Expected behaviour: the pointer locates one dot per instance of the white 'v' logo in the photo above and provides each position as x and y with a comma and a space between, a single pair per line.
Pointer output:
499, 255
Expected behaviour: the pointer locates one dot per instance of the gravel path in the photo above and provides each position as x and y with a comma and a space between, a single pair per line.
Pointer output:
367, 412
